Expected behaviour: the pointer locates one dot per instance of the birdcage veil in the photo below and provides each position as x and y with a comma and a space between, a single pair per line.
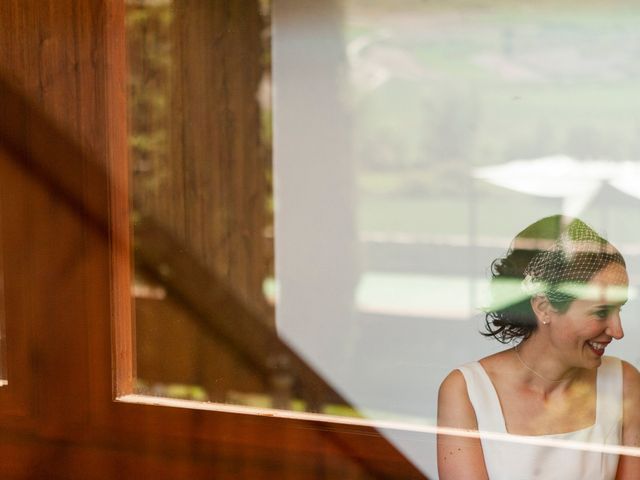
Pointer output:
562, 270
556, 257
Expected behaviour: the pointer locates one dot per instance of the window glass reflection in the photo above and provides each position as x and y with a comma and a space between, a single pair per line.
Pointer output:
438, 131
411, 141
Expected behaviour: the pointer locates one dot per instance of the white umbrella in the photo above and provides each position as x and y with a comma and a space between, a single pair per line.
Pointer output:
560, 176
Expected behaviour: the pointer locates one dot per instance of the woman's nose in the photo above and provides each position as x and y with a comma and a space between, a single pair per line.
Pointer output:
614, 328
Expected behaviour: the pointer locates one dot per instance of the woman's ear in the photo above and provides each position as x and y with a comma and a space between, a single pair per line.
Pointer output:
541, 308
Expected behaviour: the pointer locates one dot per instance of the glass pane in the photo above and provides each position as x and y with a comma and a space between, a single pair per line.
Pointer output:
201, 175
412, 141
436, 131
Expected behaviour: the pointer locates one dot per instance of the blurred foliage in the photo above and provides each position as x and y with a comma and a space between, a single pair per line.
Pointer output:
171, 390
148, 31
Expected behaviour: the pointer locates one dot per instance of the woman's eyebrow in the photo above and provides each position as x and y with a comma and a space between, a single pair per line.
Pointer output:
609, 305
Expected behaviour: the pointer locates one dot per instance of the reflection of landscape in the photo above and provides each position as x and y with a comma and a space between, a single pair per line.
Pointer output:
435, 132
421, 99
438, 93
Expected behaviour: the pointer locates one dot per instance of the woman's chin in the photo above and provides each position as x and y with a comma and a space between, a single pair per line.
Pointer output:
591, 357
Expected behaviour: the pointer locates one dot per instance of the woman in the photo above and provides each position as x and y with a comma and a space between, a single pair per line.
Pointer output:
557, 296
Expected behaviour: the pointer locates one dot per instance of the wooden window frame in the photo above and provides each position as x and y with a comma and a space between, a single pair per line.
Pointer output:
69, 405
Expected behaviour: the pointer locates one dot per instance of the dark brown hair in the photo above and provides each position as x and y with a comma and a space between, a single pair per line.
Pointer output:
510, 317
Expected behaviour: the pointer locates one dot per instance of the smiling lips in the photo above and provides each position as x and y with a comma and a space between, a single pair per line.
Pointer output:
598, 348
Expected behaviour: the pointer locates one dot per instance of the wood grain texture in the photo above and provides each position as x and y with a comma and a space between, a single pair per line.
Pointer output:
221, 313
210, 191
67, 284
199, 173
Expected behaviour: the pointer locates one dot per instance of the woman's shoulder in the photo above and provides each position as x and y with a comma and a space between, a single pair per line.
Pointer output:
630, 380
455, 378
630, 415
454, 407
455, 383
630, 374
497, 363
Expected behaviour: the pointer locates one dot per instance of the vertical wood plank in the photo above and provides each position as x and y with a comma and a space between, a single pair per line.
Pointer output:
210, 189
62, 65
212, 192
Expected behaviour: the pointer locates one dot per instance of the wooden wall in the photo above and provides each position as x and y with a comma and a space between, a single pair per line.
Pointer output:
209, 188
66, 289
200, 171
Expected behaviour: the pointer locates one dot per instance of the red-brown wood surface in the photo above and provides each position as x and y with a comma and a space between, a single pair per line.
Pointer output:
65, 258
199, 175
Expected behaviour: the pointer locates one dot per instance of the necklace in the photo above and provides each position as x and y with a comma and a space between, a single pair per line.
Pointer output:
532, 370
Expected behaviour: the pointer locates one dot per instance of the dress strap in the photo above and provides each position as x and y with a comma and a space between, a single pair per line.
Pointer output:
609, 406
484, 398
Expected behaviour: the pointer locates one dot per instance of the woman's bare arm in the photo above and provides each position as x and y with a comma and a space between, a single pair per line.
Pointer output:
458, 457
628, 466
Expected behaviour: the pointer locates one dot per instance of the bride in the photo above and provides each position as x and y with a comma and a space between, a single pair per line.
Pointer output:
556, 296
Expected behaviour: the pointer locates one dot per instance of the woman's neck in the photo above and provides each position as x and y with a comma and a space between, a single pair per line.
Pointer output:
541, 368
